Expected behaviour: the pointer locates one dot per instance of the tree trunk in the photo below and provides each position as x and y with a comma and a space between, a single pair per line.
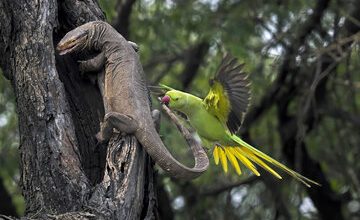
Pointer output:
64, 174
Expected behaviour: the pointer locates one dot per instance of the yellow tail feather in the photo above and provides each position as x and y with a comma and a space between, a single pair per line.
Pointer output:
255, 155
248, 155
216, 155
223, 160
233, 160
257, 160
244, 160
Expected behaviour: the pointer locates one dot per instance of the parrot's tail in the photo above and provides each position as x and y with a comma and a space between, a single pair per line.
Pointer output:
248, 155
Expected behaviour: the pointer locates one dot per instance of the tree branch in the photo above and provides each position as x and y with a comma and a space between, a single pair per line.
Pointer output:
224, 188
5, 33
276, 91
293, 129
193, 60
341, 114
122, 22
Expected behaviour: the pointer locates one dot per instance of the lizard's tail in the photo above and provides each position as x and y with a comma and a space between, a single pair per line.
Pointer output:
248, 155
154, 146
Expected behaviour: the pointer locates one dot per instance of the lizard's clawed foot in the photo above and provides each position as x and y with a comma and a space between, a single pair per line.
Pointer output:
100, 138
95, 64
125, 124
105, 133
121, 122
82, 68
156, 118
134, 46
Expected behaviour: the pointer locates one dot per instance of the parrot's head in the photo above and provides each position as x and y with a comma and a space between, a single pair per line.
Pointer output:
174, 99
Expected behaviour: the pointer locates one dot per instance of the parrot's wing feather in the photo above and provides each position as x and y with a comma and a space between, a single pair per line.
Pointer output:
182, 115
159, 90
229, 95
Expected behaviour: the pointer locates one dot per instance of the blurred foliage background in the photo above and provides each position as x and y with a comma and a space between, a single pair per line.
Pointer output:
303, 60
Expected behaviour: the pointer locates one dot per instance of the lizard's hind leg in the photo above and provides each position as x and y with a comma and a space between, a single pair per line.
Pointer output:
121, 122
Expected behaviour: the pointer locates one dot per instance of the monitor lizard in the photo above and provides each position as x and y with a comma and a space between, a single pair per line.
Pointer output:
125, 93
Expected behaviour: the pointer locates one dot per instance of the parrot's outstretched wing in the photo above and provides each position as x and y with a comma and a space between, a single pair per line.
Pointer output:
229, 95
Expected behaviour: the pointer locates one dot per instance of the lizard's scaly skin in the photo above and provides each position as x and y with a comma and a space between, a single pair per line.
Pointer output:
124, 91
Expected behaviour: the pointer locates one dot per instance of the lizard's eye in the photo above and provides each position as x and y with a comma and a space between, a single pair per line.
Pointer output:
176, 99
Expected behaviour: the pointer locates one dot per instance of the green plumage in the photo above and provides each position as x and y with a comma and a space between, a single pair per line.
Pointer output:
219, 115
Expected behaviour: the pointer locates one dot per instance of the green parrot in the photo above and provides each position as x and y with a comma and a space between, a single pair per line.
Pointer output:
218, 116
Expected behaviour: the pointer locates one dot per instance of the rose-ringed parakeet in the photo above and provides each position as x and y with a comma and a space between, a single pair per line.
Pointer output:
218, 117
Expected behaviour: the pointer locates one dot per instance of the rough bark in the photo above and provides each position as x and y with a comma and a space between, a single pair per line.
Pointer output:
50, 166
138, 199
64, 174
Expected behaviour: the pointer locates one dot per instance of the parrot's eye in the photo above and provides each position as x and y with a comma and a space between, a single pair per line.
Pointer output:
176, 99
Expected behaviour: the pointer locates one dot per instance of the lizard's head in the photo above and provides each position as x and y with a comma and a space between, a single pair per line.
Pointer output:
73, 40
174, 99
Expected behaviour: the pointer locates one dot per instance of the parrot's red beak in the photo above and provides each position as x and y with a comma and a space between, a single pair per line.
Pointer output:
165, 100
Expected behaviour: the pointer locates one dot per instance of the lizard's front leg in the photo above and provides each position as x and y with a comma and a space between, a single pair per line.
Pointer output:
121, 122
95, 64
134, 46
155, 114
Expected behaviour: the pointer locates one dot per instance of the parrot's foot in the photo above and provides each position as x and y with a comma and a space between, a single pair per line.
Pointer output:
217, 144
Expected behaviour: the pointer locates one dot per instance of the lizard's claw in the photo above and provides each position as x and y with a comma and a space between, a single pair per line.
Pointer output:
100, 138
134, 46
